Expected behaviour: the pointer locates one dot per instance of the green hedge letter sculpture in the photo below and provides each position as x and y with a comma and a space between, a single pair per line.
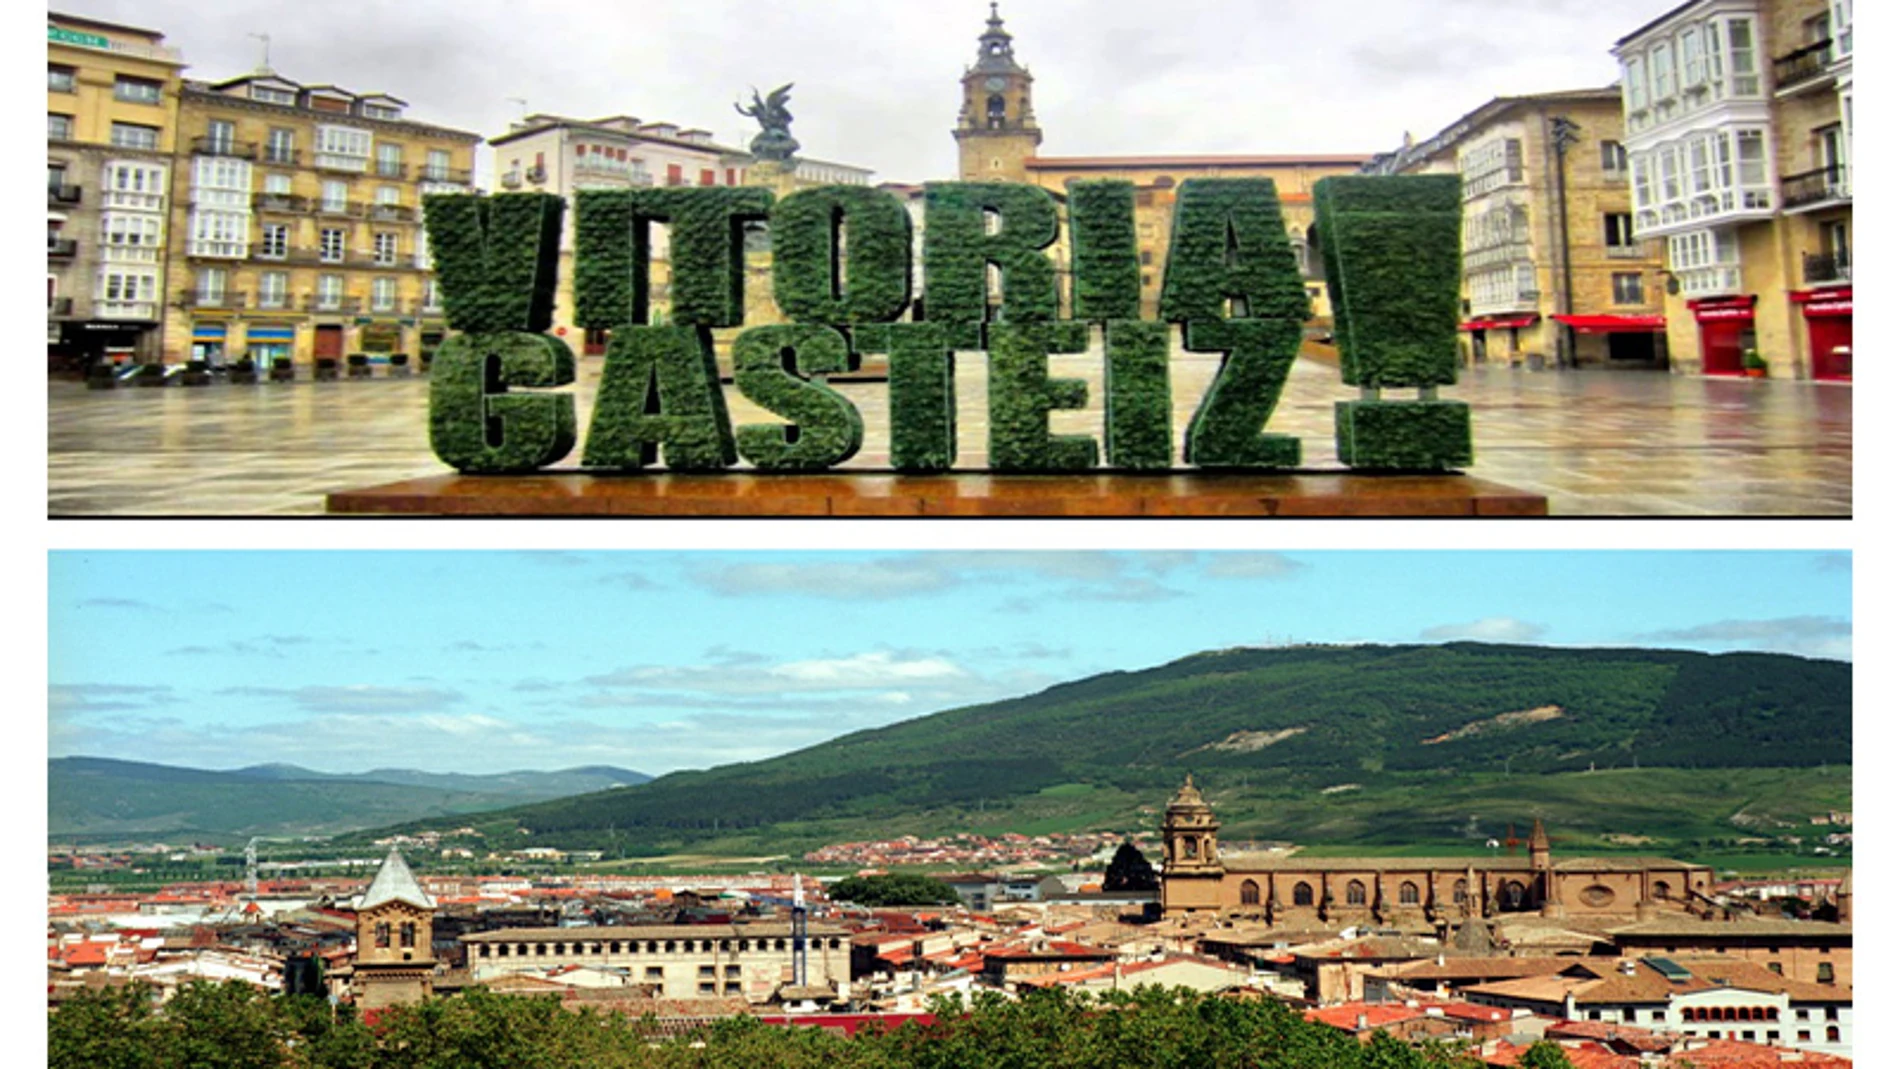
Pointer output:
497, 261
772, 365
923, 399
1391, 249
868, 281
660, 387
959, 251
1234, 285
1022, 395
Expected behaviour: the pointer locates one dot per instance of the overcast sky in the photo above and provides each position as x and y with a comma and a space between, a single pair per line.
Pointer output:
877, 80
486, 661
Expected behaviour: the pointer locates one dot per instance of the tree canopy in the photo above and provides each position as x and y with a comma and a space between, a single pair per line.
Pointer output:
234, 1026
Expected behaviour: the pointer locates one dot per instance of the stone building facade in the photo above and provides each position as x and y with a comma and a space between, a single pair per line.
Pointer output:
1740, 119
296, 216
1301, 893
111, 119
1553, 271
752, 961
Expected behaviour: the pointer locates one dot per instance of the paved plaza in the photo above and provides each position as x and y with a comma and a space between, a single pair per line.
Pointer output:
1595, 443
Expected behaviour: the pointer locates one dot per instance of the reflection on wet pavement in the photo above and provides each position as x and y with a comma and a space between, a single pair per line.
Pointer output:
1595, 443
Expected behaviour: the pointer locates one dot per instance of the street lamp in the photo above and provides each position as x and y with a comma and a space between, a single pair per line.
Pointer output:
1563, 134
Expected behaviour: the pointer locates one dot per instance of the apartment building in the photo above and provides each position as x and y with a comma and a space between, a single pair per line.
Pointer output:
1553, 271
297, 222
1740, 116
111, 115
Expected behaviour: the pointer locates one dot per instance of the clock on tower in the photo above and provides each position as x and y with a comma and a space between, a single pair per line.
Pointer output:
996, 131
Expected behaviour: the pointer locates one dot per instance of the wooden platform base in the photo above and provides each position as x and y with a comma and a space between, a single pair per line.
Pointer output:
1186, 494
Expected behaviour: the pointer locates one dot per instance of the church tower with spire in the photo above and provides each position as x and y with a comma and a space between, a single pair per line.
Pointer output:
395, 932
996, 131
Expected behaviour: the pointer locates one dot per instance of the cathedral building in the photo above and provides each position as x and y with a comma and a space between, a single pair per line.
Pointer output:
1412, 893
998, 141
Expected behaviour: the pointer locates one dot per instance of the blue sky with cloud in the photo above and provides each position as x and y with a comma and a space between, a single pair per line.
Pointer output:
487, 661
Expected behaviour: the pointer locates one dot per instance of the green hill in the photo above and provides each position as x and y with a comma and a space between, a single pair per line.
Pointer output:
99, 799
1355, 744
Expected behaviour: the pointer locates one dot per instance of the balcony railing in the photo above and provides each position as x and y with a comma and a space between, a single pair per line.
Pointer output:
336, 161
227, 299
269, 302
511, 180
392, 213
222, 146
1804, 64
1815, 187
289, 157
332, 304
451, 175
62, 194
298, 255
353, 208
383, 169
61, 306
1818, 268
61, 248
282, 203
1626, 252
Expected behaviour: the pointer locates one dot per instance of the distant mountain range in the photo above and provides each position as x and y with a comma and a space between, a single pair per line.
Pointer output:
96, 798
1346, 744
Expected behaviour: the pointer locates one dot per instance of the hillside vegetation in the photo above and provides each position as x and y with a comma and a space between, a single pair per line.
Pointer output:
1314, 743
99, 799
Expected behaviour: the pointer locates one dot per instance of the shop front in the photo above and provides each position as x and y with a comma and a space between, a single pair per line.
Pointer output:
1727, 327
268, 344
1620, 341
210, 342
1830, 317
83, 343
1504, 345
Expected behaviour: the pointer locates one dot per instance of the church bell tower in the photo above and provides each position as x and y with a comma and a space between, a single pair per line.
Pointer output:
997, 130
1192, 875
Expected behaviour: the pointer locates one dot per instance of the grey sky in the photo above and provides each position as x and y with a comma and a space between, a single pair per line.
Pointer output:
877, 80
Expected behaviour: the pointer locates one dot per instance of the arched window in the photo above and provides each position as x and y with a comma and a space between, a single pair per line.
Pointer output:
1249, 893
1355, 893
613, 947
382, 934
1514, 895
540, 950
1833, 1033
1408, 894
1193, 847
996, 111
408, 933
778, 944
1459, 892
1660, 890
1302, 894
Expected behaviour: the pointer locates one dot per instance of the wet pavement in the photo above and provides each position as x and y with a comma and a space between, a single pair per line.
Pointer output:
1596, 443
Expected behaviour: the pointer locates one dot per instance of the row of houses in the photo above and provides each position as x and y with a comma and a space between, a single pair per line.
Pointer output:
1696, 216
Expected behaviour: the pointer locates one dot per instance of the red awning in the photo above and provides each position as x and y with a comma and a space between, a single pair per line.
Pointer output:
1611, 324
1498, 323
